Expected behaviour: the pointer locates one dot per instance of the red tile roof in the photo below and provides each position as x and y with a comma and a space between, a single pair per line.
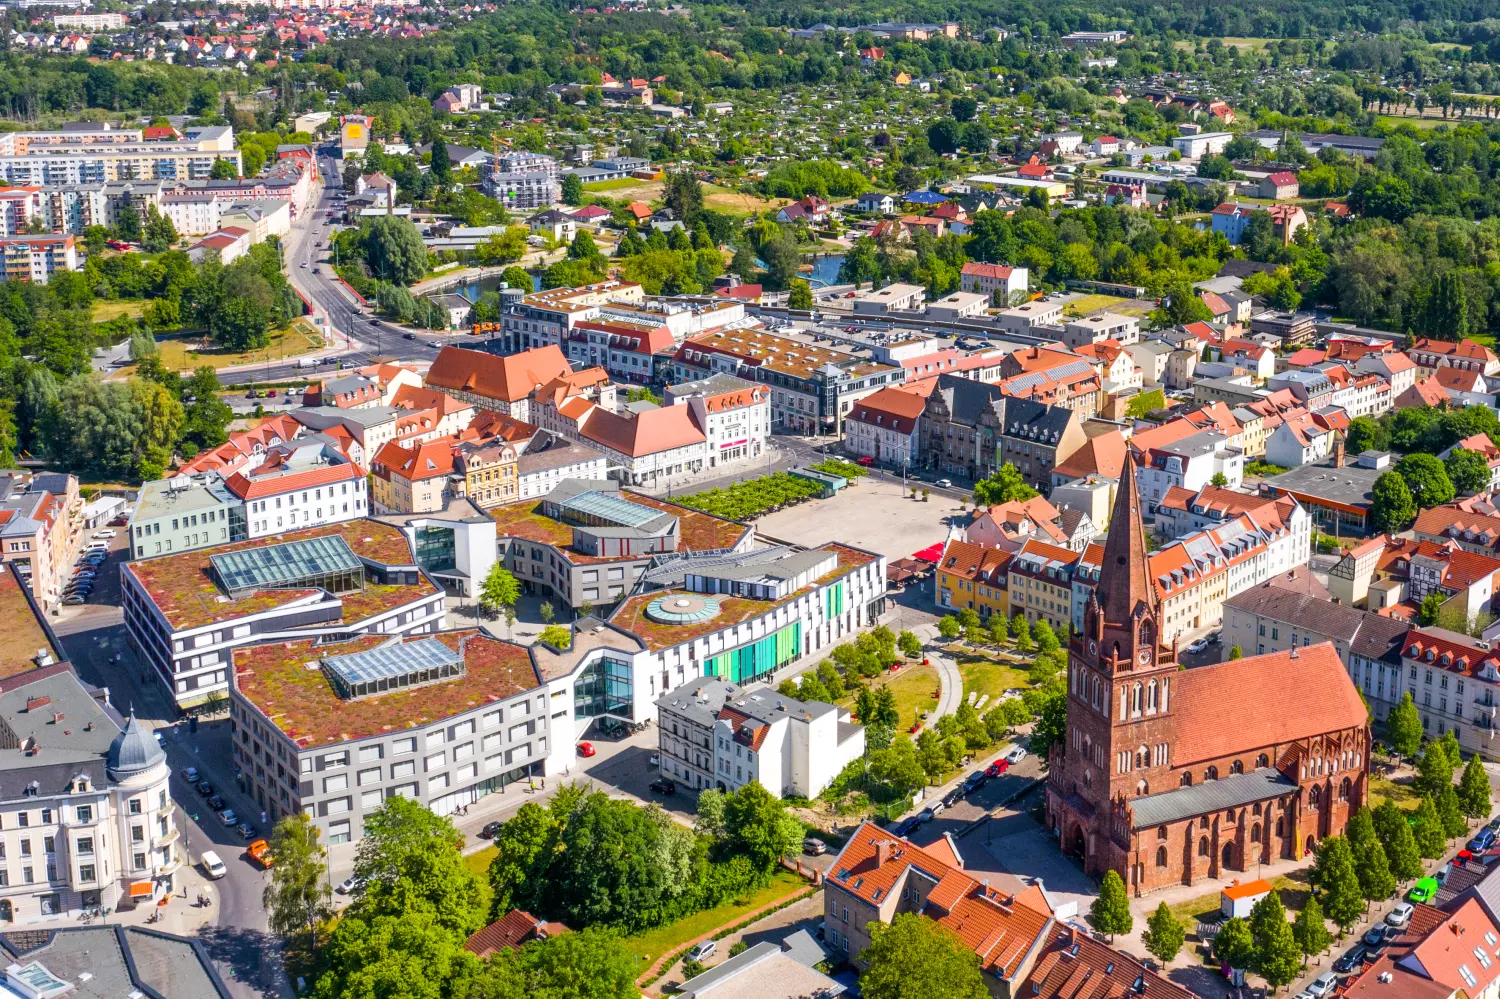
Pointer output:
260, 482
1075, 966
1281, 697
1001, 928
650, 432
508, 379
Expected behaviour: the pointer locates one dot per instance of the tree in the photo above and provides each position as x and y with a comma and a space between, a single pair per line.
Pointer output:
1396, 838
128, 224
684, 195
1164, 934
1234, 945
942, 136
589, 964
525, 845
1005, 485
1426, 478
1451, 813
223, 170
442, 166
1365, 434
1235, 652
909, 644
963, 108
1428, 829
1474, 790
1447, 315
1467, 470
393, 249
759, 826
948, 627
559, 636
516, 277
1392, 508
296, 895
1434, 770
1277, 958
1046, 638
1376, 881
917, 958
572, 189
1110, 912
1334, 877
1310, 930
240, 324
711, 812
584, 248
410, 855
1403, 727
800, 296
500, 589
546, 612
1051, 724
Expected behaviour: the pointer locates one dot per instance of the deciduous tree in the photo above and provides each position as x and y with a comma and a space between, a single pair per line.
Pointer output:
1110, 911
1334, 877
296, 895
1164, 934
918, 958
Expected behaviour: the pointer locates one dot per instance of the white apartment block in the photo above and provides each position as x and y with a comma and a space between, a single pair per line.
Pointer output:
35, 259
734, 415
716, 735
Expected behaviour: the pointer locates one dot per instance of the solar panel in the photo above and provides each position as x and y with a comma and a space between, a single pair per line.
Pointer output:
391, 667
285, 564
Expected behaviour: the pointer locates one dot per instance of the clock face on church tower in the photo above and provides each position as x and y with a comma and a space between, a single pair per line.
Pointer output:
1145, 657
1093, 648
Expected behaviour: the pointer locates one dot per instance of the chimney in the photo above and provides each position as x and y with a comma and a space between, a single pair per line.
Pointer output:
882, 851
1338, 452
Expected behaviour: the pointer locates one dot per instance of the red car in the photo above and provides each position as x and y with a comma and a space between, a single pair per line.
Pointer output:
865, 460
996, 769
586, 749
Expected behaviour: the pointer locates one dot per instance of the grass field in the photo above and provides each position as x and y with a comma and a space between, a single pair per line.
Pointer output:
915, 689
1239, 42
185, 353
1091, 303
105, 311
1428, 122
665, 939
1383, 789
984, 675
479, 862
612, 185
725, 200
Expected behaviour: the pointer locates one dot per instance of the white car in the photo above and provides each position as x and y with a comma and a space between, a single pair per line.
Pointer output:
705, 949
1323, 985
1015, 756
108, 532
1400, 915
944, 483
212, 865
1197, 646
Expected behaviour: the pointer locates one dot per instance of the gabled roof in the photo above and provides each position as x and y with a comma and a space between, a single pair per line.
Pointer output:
649, 432
508, 379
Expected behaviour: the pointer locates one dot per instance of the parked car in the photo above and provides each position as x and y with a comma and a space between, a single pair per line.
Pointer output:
1324, 984
246, 831
205, 788
1197, 646
408, 336
1482, 841
1400, 915
1350, 960
814, 846
586, 749
350, 884
997, 768
228, 817
1015, 756
260, 853
490, 830
106, 533
1377, 936
705, 948
905, 826
215, 802
953, 797
73, 599
663, 786
190, 774
975, 781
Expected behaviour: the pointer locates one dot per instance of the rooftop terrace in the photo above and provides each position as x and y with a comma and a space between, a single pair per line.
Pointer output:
698, 531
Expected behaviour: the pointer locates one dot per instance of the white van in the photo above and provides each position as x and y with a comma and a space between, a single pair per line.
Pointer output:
212, 865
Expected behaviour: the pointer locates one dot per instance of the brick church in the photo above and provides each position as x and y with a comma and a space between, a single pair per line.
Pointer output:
1169, 775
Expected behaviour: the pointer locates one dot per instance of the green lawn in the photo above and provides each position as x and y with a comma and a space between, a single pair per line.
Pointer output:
652, 944
1295, 891
183, 353
984, 675
915, 687
105, 311
1383, 789
1091, 303
613, 185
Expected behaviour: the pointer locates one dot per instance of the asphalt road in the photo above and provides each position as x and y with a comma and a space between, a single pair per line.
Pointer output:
91, 635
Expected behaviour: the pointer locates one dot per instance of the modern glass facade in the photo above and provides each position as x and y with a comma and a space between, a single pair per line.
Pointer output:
604, 687
435, 549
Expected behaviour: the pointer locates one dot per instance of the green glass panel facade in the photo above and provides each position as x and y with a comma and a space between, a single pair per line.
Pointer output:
833, 600
750, 662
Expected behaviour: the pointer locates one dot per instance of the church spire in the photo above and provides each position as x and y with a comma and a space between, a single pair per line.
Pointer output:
1125, 575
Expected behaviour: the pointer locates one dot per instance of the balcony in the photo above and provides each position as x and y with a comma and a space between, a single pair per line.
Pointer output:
165, 839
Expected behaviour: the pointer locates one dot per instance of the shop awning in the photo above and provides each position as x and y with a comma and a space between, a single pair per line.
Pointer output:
142, 889
932, 553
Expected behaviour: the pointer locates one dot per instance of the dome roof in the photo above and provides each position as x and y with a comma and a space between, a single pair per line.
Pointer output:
135, 750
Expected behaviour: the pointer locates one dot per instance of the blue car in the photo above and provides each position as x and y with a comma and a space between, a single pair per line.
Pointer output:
1482, 841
